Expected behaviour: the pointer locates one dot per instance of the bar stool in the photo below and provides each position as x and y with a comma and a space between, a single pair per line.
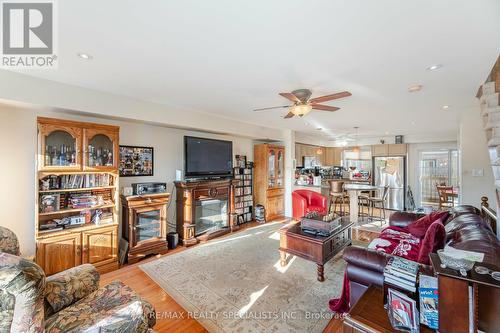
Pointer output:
337, 196
364, 200
379, 202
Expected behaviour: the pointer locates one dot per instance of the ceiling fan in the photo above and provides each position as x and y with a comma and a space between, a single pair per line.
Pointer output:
303, 103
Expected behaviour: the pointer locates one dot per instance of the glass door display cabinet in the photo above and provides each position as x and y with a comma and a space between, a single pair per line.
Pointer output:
144, 224
100, 149
59, 146
269, 179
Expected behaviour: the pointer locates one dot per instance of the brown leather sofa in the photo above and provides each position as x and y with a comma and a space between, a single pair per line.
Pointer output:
465, 229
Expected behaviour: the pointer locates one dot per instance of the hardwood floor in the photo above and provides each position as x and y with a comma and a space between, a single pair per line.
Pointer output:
172, 317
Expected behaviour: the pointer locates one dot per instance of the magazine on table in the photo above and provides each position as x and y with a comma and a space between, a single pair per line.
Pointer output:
428, 294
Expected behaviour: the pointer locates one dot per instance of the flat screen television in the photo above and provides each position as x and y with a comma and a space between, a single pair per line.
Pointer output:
207, 158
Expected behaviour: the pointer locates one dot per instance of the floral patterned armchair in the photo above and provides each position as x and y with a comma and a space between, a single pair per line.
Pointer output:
69, 301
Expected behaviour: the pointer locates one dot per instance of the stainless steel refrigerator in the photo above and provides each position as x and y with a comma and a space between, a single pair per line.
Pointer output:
391, 171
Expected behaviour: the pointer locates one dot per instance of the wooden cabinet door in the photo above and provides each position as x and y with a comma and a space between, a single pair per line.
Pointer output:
100, 149
380, 150
55, 254
337, 156
275, 206
320, 155
280, 167
397, 149
59, 147
329, 151
149, 224
100, 246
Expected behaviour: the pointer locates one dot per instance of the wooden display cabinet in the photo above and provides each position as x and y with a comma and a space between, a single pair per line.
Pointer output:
269, 179
62, 159
100, 149
144, 224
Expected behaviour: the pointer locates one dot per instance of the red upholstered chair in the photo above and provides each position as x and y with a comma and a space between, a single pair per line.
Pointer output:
305, 201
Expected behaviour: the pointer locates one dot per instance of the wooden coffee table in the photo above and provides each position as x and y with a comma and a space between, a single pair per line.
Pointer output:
317, 249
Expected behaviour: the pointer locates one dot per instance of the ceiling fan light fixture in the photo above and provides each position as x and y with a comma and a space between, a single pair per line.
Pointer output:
301, 109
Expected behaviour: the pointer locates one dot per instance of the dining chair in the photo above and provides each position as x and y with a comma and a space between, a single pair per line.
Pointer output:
446, 199
379, 202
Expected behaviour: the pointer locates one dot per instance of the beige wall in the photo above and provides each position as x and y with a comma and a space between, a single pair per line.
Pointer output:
474, 155
18, 163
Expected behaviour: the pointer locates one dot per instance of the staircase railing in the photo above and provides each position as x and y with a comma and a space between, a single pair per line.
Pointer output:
488, 214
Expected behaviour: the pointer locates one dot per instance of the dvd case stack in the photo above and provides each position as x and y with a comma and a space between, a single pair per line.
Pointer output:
401, 273
243, 196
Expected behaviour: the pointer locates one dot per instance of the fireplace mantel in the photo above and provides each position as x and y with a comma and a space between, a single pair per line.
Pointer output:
188, 193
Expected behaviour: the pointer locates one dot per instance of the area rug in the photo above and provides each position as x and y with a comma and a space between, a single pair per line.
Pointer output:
236, 284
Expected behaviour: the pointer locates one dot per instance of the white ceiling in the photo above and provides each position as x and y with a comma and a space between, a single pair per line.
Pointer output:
228, 57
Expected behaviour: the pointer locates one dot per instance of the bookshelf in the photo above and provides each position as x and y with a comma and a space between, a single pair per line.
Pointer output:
243, 194
77, 195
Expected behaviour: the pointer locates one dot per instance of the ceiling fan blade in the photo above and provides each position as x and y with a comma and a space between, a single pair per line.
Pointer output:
290, 97
330, 97
289, 115
272, 107
324, 107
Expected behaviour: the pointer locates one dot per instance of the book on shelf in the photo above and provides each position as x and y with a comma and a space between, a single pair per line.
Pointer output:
65, 182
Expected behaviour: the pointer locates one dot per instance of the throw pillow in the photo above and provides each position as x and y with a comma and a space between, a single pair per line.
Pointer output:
419, 227
434, 240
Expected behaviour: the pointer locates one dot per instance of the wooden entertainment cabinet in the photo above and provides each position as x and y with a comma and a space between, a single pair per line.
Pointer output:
144, 224
194, 199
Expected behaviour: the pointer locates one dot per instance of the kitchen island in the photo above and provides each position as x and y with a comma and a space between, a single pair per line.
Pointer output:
354, 190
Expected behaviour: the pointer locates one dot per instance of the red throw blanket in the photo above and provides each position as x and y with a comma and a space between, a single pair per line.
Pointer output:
341, 305
397, 241
393, 240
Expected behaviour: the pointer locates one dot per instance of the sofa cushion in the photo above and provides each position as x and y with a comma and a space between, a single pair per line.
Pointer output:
67, 287
465, 220
112, 308
461, 210
21, 294
419, 227
434, 240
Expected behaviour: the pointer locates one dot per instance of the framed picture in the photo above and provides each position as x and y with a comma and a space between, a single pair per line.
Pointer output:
241, 161
136, 161
403, 313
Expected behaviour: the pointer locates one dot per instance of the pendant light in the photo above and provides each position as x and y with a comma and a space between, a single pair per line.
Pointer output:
356, 147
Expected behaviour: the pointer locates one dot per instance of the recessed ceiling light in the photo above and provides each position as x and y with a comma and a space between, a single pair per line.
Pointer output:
415, 88
434, 67
413, 123
85, 56
445, 107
